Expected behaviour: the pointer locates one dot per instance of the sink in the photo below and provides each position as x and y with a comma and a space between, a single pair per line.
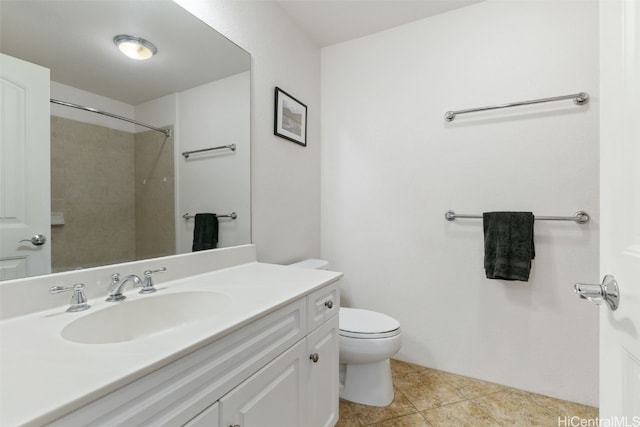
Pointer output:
134, 319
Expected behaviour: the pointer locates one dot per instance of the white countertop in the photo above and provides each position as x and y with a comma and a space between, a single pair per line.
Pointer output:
43, 376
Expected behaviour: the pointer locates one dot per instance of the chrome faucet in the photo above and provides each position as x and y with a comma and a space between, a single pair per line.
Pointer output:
117, 285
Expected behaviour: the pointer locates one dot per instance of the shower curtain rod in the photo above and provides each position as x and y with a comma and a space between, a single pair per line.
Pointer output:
166, 132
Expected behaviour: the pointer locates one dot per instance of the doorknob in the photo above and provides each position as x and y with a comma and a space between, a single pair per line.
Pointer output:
607, 291
37, 240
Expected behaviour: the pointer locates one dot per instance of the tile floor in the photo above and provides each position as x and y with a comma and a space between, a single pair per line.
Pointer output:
431, 398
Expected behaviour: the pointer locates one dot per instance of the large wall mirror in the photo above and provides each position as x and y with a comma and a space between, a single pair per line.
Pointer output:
120, 191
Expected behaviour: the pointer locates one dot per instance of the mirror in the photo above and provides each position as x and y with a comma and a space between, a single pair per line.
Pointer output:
119, 191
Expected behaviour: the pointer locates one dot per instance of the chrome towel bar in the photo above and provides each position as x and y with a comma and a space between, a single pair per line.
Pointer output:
232, 215
578, 99
581, 217
231, 147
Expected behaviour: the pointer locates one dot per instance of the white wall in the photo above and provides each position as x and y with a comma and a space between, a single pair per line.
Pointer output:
285, 177
160, 112
211, 115
392, 166
73, 95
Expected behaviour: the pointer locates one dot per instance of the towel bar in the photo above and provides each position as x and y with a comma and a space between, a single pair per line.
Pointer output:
231, 147
578, 99
581, 217
232, 215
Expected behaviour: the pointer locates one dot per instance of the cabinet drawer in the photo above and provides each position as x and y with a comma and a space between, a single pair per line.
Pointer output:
178, 392
322, 304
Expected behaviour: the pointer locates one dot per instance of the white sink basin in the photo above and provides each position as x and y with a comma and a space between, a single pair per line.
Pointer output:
130, 320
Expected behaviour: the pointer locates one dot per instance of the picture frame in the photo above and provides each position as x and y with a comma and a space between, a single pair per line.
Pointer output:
290, 118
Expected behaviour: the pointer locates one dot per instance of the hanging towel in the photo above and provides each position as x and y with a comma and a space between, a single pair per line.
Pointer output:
205, 232
508, 245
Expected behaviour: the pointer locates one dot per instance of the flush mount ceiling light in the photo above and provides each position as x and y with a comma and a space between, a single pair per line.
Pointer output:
135, 47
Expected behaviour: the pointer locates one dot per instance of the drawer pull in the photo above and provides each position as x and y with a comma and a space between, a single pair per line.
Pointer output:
314, 357
328, 304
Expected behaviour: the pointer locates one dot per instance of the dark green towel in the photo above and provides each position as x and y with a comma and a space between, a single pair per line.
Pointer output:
508, 245
205, 232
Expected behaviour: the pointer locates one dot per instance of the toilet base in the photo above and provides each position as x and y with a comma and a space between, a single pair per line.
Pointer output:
367, 383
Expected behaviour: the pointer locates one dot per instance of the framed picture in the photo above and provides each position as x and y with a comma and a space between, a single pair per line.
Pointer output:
290, 118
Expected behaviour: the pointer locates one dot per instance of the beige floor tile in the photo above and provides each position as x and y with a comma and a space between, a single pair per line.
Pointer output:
461, 414
428, 397
347, 417
471, 387
562, 408
427, 390
411, 420
514, 408
374, 414
401, 369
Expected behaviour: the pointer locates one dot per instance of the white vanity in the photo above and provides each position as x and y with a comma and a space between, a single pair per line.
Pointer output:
266, 354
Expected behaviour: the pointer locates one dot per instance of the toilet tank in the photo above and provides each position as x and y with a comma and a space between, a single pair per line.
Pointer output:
312, 263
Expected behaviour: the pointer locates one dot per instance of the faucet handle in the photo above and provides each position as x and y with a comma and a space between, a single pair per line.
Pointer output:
148, 288
148, 273
78, 299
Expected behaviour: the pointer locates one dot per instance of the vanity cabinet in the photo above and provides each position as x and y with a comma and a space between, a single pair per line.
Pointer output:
299, 388
274, 371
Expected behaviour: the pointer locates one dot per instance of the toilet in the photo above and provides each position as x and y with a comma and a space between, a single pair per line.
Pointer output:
367, 340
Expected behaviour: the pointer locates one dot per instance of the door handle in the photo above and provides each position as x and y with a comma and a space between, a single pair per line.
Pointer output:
37, 240
607, 291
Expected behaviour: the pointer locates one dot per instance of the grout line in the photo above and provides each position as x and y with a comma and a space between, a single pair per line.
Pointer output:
386, 420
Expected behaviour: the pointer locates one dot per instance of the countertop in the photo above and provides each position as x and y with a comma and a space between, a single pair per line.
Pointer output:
43, 376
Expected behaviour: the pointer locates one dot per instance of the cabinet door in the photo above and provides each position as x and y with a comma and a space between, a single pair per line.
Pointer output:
273, 397
322, 375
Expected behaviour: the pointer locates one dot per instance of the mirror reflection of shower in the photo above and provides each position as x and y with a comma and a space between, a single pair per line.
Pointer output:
112, 193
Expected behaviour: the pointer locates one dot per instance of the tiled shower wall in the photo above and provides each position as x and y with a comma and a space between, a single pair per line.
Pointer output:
155, 195
93, 175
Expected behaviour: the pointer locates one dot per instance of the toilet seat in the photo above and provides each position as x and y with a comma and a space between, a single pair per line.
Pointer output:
366, 324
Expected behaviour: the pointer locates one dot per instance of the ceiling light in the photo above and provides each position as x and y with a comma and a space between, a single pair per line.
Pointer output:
135, 47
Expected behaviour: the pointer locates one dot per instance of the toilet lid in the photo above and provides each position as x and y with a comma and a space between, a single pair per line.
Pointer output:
358, 323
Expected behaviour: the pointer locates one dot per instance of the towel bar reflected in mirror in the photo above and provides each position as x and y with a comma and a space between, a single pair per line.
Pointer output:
232, 215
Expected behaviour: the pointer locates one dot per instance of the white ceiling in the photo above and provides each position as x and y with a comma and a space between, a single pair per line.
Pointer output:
74, 39
329, 22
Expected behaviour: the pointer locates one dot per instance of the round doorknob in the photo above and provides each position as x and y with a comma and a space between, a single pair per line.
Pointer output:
314, 357
37, 240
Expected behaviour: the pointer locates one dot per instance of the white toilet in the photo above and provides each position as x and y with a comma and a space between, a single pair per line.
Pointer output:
367, 341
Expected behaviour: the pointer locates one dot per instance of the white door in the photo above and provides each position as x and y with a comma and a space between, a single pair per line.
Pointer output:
25, 207
620, 208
